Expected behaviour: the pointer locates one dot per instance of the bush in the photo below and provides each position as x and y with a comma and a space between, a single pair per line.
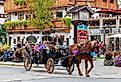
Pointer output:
67, 21
19, 2
4, 48
16, 23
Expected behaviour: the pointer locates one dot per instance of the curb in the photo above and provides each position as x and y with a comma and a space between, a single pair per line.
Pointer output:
22, 65
17, 64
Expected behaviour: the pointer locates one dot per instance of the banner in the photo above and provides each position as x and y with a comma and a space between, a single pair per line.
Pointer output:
82, 33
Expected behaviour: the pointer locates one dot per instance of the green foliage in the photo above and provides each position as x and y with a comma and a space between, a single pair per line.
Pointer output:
19, 2
2, 33
16, 23
43, 13
67, 21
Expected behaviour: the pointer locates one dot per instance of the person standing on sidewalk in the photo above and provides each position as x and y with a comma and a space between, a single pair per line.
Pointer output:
57, 40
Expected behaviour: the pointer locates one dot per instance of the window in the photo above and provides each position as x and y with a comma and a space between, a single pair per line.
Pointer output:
59, 14
31, 39
104, 0
21, 16
111, 1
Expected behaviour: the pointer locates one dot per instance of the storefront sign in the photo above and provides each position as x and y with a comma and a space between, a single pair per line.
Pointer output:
82, 33
94, 31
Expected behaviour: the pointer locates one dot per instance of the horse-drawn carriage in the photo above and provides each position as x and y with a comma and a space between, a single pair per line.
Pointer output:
49, 56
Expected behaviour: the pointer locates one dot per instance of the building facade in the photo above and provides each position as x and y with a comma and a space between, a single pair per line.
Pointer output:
2, 14
60, 8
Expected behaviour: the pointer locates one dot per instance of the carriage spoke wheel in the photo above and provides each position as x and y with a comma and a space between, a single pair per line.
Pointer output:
27, 63
50, 65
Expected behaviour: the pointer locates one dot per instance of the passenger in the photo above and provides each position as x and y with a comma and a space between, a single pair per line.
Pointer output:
36, 47
64, 45
44, 45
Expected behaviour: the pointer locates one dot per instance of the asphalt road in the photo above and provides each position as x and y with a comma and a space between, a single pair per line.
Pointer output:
98, 74
75, 80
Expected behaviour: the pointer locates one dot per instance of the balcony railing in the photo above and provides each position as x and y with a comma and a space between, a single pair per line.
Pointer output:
57, 25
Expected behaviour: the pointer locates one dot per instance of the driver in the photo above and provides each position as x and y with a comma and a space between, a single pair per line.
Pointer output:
16, 54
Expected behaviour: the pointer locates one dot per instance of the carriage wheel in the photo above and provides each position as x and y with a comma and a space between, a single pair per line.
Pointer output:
71, 68
50, 65
27, 63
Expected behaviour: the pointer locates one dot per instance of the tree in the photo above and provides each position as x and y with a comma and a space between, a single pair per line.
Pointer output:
2, 33
43, 13
41, 10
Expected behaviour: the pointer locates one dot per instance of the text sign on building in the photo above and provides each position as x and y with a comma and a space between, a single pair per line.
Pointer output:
82, 33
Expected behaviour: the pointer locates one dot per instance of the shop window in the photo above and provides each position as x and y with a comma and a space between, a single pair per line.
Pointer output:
46, 32
15, 13
8, 17
10, 39
18, 38
106, 31
47, 38
59, 14
104, 0
31, 39
21, 16
62, 38
111, 1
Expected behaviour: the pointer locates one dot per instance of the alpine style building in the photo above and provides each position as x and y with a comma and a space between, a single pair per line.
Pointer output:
103, 14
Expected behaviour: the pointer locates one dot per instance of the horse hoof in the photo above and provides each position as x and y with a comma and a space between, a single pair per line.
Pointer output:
87, 75
69, 73
80, 74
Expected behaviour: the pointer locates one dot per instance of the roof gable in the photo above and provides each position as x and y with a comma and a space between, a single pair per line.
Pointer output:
80, 8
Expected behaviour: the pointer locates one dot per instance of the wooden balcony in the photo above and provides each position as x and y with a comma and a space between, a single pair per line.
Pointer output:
57, 25
10, 5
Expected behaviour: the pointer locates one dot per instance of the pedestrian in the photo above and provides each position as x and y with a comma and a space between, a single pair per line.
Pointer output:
57, 40
14, 46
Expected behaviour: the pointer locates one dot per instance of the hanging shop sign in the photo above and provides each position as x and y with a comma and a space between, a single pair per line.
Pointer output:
82, 33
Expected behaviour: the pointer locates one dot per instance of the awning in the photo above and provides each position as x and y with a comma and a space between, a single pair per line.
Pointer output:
114, 36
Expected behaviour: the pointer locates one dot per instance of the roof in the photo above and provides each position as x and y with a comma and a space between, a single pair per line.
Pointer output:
17, 10
106, 11
118, 9
79, 8
110, 11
